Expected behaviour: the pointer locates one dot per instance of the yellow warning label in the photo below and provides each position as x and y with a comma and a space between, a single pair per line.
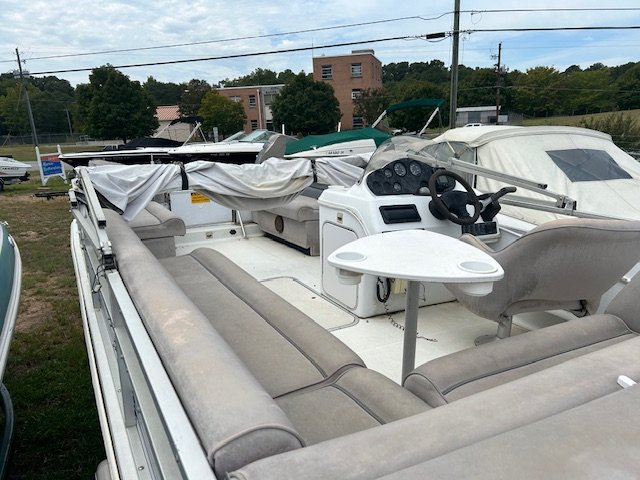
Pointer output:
199, 198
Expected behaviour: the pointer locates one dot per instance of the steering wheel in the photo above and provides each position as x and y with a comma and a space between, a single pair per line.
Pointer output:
452, 205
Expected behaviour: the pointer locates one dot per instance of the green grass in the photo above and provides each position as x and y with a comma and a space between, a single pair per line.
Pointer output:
574, 120
57, 431
27, 153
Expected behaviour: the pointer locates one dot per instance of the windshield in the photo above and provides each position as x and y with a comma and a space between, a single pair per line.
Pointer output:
394, 149
257, 136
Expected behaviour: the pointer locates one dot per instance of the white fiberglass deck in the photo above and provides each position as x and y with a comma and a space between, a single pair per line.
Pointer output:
442, 328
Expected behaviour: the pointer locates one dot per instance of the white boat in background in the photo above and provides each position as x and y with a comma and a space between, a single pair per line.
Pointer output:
575, 163
229, 349
12, 171
137, 151
239, 148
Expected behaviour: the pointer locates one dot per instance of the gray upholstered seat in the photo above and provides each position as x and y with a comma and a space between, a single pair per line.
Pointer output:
157, 226
563, 264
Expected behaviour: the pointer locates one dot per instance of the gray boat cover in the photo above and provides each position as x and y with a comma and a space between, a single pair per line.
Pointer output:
270, 184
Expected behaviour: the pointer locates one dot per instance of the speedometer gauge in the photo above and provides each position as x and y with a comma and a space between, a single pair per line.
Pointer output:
400, 169
415, 169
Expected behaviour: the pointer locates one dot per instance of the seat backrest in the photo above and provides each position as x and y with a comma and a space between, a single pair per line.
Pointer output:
562, 264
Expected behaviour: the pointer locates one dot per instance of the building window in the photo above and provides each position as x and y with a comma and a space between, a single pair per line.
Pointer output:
252, 101
356, 69
254, 124
358, 122
327, 72
269, 98
235, 98
356, 93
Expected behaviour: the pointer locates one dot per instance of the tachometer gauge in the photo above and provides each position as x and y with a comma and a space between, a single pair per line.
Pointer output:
415, 169
400, 169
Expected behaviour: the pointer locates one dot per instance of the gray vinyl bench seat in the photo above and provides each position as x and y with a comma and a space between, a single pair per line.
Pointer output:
432, 442
307, 407
157, 227
318, 381
297, 222
256, 376
460, 374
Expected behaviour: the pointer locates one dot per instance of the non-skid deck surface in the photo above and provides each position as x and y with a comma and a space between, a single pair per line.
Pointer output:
442, 329
325, 313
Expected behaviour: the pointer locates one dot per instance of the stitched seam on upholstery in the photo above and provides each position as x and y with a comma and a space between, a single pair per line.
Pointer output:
321, 384
428, 380
280, 332
224, 443
359, 403
448, 390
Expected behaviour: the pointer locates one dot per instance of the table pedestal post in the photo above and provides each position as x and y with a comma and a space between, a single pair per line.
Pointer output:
410, 328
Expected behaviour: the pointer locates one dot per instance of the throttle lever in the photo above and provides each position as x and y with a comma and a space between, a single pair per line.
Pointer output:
490, 205
501, 193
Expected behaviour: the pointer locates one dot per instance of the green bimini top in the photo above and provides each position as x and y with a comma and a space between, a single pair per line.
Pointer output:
312, 142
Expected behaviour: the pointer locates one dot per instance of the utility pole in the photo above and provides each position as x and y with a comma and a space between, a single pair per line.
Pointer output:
454, 65
34, 136
498, 82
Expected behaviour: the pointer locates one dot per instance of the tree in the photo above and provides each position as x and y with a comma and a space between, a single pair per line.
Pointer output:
623, 128
539, 93
260, 76
414, 119
164, 93
306, 106
628, 85
192, 96
50, 97
221, 112
371, 104
117, 107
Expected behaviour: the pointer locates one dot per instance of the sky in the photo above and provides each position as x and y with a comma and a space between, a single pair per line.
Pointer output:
73, 31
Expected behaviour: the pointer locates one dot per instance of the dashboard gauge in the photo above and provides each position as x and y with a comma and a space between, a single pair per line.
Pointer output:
415, 168
397, 188
388, 173
400, 169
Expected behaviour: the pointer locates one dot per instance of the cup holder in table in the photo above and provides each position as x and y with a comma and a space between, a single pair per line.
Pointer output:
350, 256
477, 266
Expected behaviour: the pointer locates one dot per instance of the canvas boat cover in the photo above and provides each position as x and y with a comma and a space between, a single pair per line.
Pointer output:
269, 184
312, 142
583, 164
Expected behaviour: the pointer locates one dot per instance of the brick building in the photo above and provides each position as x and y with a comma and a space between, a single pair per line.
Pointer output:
256, 101
349, 75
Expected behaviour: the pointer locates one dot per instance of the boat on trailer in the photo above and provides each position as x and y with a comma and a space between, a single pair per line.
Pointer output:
228, 338
12, 171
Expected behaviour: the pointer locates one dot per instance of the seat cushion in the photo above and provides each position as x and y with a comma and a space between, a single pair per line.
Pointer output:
283, 348
300, 209
156, 221
357, 399
464, 373
205, 371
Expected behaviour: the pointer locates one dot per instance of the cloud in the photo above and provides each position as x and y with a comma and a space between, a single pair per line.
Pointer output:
55, 27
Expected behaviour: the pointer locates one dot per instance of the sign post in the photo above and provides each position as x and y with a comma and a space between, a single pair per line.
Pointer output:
50, 165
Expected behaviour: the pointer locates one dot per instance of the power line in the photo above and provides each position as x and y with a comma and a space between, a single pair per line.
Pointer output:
430, 36
549, 29
234, 39
333, 27
242, 55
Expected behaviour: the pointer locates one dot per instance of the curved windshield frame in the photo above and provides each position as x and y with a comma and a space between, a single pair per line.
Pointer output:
394, 149
257, 136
